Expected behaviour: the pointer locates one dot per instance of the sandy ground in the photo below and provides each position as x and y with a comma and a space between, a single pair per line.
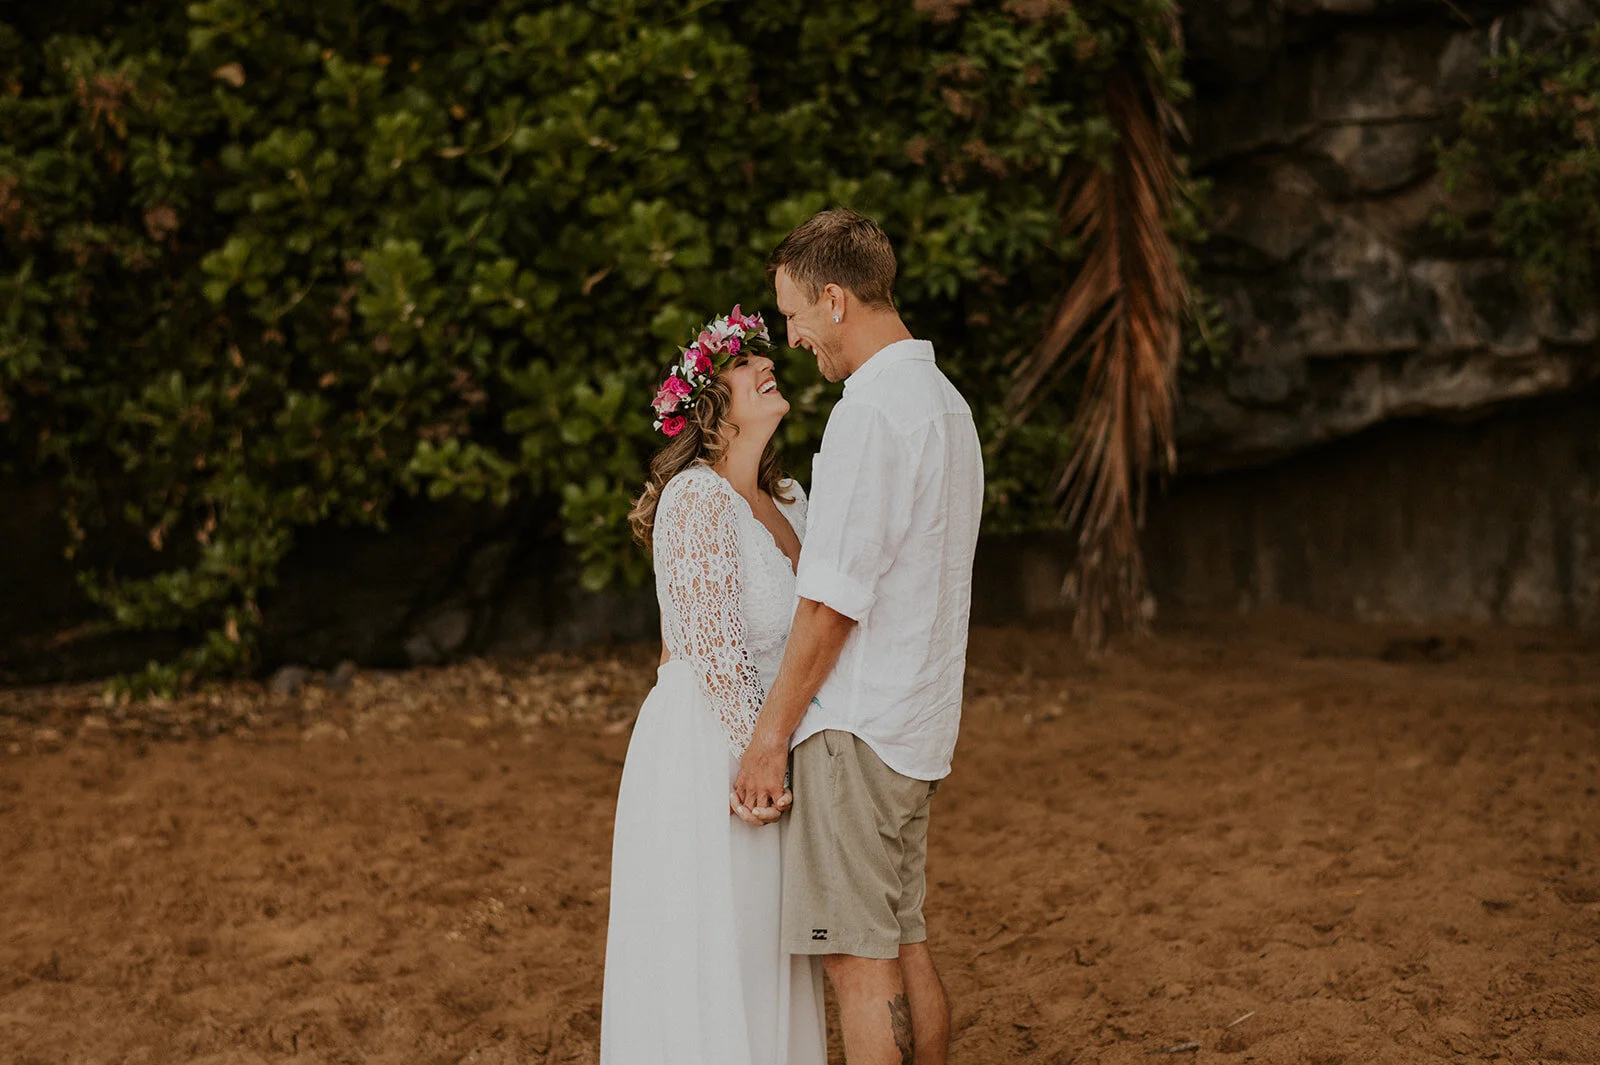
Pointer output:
1281, 839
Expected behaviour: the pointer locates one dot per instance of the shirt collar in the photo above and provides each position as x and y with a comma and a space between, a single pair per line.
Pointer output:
883, 358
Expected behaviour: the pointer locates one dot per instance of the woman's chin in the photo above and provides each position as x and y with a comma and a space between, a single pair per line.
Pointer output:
771, 417
773, 408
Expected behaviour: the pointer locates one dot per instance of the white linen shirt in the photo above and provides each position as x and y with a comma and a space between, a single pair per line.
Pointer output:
896, 494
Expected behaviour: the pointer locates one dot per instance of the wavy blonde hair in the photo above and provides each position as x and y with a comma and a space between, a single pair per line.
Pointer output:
703, 440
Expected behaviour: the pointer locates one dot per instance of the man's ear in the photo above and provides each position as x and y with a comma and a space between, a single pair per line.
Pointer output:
837, 298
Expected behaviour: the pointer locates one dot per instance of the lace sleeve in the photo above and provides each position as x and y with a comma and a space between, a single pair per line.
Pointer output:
697, 551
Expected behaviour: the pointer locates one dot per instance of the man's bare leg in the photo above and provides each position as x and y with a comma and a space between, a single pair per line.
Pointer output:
874, 1011
930, 1006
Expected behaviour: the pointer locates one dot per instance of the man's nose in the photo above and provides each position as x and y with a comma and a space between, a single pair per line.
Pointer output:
789, 328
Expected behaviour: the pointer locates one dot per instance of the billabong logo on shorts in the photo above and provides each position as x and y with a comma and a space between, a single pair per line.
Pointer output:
819, 933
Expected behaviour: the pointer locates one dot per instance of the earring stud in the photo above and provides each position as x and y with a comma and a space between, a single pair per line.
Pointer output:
836, 318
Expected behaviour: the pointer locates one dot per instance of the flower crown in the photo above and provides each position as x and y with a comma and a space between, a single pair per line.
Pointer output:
719, 341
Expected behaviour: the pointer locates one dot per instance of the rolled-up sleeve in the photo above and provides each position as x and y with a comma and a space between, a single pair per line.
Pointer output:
861, 487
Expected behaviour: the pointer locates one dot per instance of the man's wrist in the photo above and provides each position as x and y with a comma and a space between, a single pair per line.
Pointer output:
767, 744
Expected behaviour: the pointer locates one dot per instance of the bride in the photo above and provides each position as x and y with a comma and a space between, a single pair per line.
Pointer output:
694, 972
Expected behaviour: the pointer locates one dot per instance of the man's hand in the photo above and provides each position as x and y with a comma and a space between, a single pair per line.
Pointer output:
759, 785
815, 639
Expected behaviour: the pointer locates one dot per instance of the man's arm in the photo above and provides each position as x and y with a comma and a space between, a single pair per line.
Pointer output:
815, 640
861, 484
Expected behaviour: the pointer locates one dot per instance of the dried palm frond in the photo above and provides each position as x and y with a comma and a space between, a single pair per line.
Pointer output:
1125, 311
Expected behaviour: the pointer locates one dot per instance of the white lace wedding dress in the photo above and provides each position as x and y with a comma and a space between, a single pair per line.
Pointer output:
694, 971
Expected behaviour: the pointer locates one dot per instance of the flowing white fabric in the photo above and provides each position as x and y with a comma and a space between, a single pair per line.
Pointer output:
694, 971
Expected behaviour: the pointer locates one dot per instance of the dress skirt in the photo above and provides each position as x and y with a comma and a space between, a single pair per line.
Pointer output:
694, 972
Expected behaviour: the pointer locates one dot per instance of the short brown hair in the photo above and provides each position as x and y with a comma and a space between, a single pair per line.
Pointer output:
839, 247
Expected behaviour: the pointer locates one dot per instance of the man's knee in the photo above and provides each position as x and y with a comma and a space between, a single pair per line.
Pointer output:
916, 962
847, 966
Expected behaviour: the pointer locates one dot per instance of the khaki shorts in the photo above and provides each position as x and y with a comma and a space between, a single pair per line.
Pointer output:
855, 851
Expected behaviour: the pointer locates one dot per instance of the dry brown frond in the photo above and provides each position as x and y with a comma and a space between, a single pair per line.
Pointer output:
1125, 311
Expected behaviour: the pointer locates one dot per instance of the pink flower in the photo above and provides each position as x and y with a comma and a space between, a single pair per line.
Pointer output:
709, 342
733, 345
677, 386
696, 361
665, 402
749, 323
674, 425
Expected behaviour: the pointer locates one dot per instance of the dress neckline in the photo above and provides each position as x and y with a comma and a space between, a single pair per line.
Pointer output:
791, 565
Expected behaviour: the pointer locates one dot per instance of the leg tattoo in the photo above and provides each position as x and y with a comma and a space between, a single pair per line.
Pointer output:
900, 1023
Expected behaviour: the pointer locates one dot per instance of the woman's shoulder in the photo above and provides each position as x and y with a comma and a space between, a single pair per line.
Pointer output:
694, 474
696, 486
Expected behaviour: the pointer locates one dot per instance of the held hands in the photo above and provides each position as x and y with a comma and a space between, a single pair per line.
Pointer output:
761, 815
759, 796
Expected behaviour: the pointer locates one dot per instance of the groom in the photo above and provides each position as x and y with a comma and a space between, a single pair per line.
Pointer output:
869, 694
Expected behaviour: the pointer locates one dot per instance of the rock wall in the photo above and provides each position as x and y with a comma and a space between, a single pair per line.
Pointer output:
1316, 120
1403, 433
448, 579
1424, 521
1494, 521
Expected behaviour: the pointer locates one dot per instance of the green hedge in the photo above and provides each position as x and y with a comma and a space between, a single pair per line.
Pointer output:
271, 263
